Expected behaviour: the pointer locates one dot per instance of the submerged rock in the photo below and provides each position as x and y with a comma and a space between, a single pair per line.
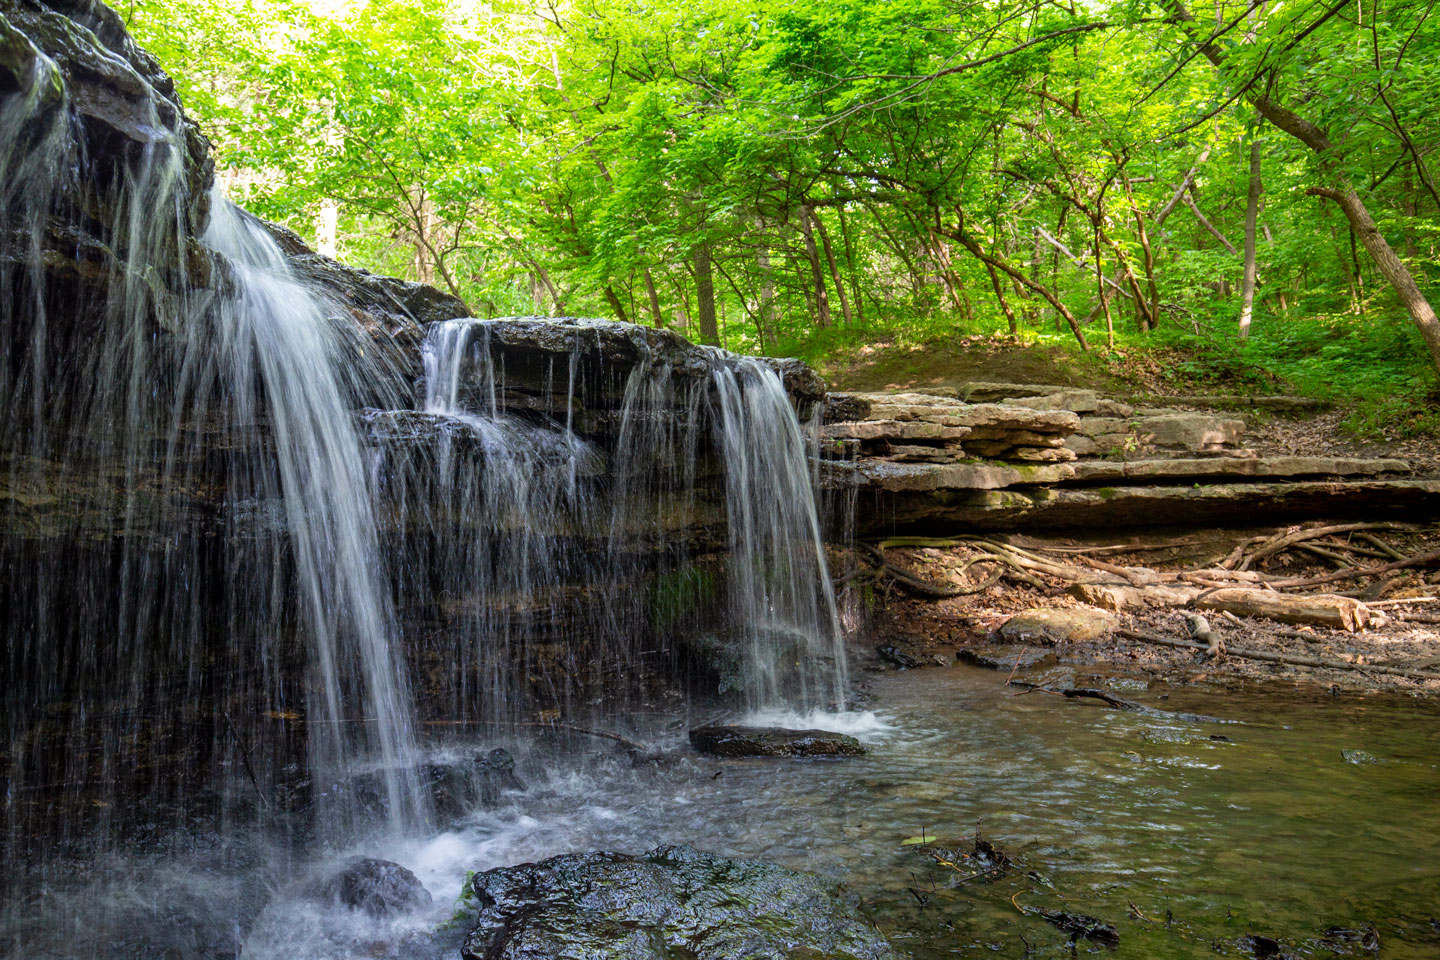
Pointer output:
378, 887
1005, 657
457, 788
672, 902
738, 741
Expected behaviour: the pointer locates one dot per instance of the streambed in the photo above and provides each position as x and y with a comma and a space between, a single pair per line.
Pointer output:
1313, 814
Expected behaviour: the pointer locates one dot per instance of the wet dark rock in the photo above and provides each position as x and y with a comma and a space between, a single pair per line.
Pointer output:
1261, 946
670, 903
727, 658
846, 407
1079, 925
739, 741
1005, 657
1351, 941
804, 385
386, 306
1360, 757
481, 782
378, 887
893, 654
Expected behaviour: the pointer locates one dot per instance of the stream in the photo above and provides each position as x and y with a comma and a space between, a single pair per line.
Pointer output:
1313, 814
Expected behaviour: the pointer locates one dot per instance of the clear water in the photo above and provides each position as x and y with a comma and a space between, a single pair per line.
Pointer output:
1273, 832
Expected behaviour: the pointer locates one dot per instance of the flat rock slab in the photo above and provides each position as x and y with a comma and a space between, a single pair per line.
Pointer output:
940, 511
1052, 626
1237, 467
999, 656
958, 476
740, 741
670, 903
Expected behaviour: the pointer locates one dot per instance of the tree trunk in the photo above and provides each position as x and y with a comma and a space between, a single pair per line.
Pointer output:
834, 271
765, 311
1252, 215
817, 276
616, 306
1004, 304
650, 292
850, 267
705, 296
1060, 308
1391, 267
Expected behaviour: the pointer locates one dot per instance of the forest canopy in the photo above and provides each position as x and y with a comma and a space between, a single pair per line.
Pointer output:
785, 176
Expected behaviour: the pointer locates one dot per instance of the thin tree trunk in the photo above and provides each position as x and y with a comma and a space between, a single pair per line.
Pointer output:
817, 276
1195, 209
616, 306
1252, 214
555, 297
850, 266
1391, 267
654, 296
834, 270
705, 296
766, 310
1060, 308
1100, 289
1004, 304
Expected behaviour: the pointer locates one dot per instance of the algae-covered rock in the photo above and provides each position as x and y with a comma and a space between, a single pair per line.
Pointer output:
670, 903
742, 741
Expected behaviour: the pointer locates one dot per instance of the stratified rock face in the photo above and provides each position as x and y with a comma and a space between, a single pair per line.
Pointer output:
741, 741
924, 428
672, 902
204, 538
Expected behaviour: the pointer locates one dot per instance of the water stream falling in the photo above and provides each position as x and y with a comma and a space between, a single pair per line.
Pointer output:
250, 626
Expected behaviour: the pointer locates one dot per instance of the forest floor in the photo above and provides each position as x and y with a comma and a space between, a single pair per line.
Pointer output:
929, 630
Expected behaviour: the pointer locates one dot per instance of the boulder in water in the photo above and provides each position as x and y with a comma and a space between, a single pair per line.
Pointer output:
378, 887
671, 902
457, 788
1005, 656
739, 741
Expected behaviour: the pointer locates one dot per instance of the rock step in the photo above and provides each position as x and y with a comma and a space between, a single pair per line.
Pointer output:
1214, 468
939, 511
918, 477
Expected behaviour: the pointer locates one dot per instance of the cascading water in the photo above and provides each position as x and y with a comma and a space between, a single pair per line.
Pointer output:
274, 332
222, 581
780, 591
590, 548
194, 588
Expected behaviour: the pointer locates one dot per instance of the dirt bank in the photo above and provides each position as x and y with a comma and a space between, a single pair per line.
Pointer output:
913, 625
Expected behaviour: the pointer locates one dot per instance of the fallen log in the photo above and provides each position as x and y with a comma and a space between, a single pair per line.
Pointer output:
1324, 609
1294, 660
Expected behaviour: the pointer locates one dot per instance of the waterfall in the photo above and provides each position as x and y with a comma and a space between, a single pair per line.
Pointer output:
276, 328
550, 545
244, 556
780, 588
185, 520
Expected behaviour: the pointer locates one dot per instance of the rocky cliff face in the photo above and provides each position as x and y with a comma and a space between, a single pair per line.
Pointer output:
249, 495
